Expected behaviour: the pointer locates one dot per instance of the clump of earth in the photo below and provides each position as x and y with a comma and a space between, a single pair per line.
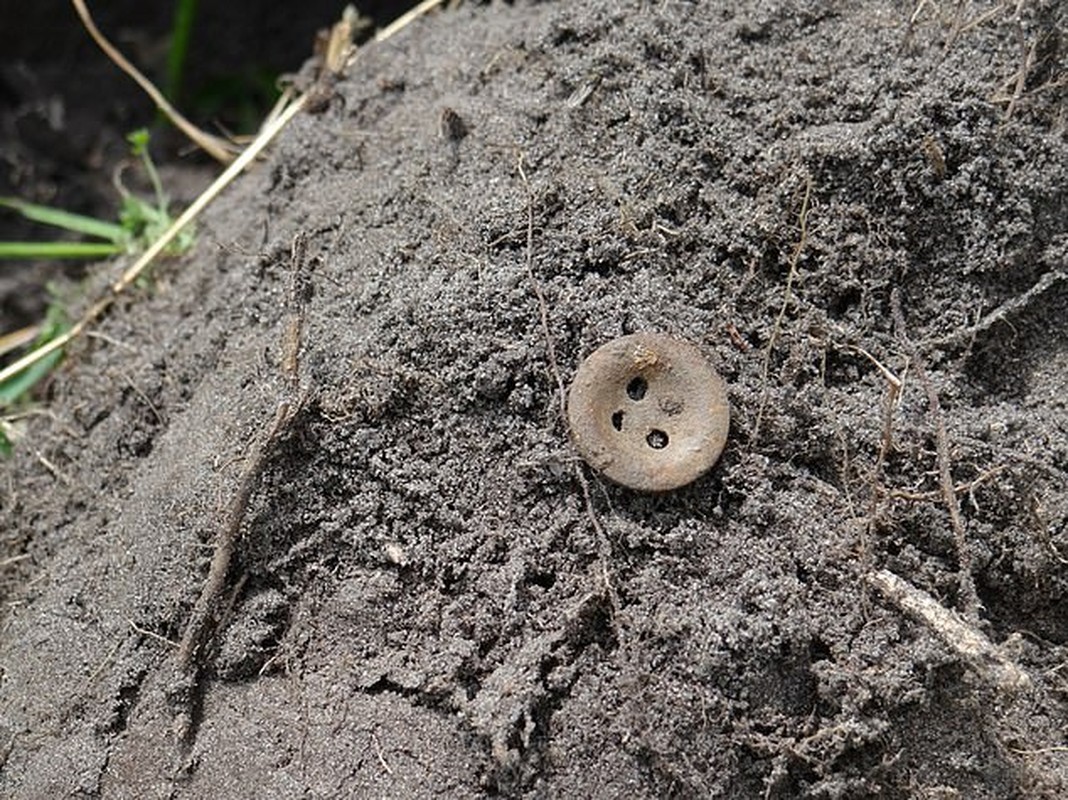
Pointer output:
856, 211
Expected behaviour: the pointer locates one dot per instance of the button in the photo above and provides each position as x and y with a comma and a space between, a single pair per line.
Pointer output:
649, 411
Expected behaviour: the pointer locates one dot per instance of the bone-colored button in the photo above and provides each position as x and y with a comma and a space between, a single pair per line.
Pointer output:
649, 411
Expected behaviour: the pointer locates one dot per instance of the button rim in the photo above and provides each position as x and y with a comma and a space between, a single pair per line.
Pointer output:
620, 360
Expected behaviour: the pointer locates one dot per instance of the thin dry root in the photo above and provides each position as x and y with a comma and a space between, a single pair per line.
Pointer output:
217, 148
973, 648
970, 597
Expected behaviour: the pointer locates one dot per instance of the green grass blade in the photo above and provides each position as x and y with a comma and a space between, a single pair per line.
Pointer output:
78, 223
17, 386
51, 250
185, 13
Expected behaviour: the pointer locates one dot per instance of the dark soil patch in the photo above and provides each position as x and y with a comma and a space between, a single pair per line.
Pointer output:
421, 603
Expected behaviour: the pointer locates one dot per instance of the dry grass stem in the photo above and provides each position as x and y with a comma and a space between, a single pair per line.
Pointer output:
1021, 79
960, 488
275, 123
219, 149
264, 138
604, 545
919, 9
151, 634
894, 387
20, 338
983, 18
381, 756
1041, 751
893, 379
407, 18
999, 314
49, 465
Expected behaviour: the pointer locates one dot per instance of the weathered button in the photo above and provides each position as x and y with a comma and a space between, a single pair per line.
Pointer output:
648, 411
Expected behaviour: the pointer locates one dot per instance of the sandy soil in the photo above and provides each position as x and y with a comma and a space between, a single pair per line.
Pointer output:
862, 221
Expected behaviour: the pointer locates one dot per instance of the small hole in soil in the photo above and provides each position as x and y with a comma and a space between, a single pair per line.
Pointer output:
617, 420
543, 579
656, 439
636, 388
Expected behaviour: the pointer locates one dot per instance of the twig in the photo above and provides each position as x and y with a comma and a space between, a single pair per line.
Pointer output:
967, 583
969, 644
201, 621
205, 615
1000, 313
217, 148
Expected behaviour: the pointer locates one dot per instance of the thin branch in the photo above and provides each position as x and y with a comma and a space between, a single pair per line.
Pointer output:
970, 645
205, 615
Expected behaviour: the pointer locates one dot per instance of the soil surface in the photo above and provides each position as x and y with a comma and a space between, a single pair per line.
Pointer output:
861, 219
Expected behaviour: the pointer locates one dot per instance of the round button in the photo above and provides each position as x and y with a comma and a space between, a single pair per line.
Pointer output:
648, 411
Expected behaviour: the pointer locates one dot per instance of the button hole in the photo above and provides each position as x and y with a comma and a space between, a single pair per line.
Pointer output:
617, 420
636, 388
657, 439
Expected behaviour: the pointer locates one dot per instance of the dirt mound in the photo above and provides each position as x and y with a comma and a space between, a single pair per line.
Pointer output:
861, 220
